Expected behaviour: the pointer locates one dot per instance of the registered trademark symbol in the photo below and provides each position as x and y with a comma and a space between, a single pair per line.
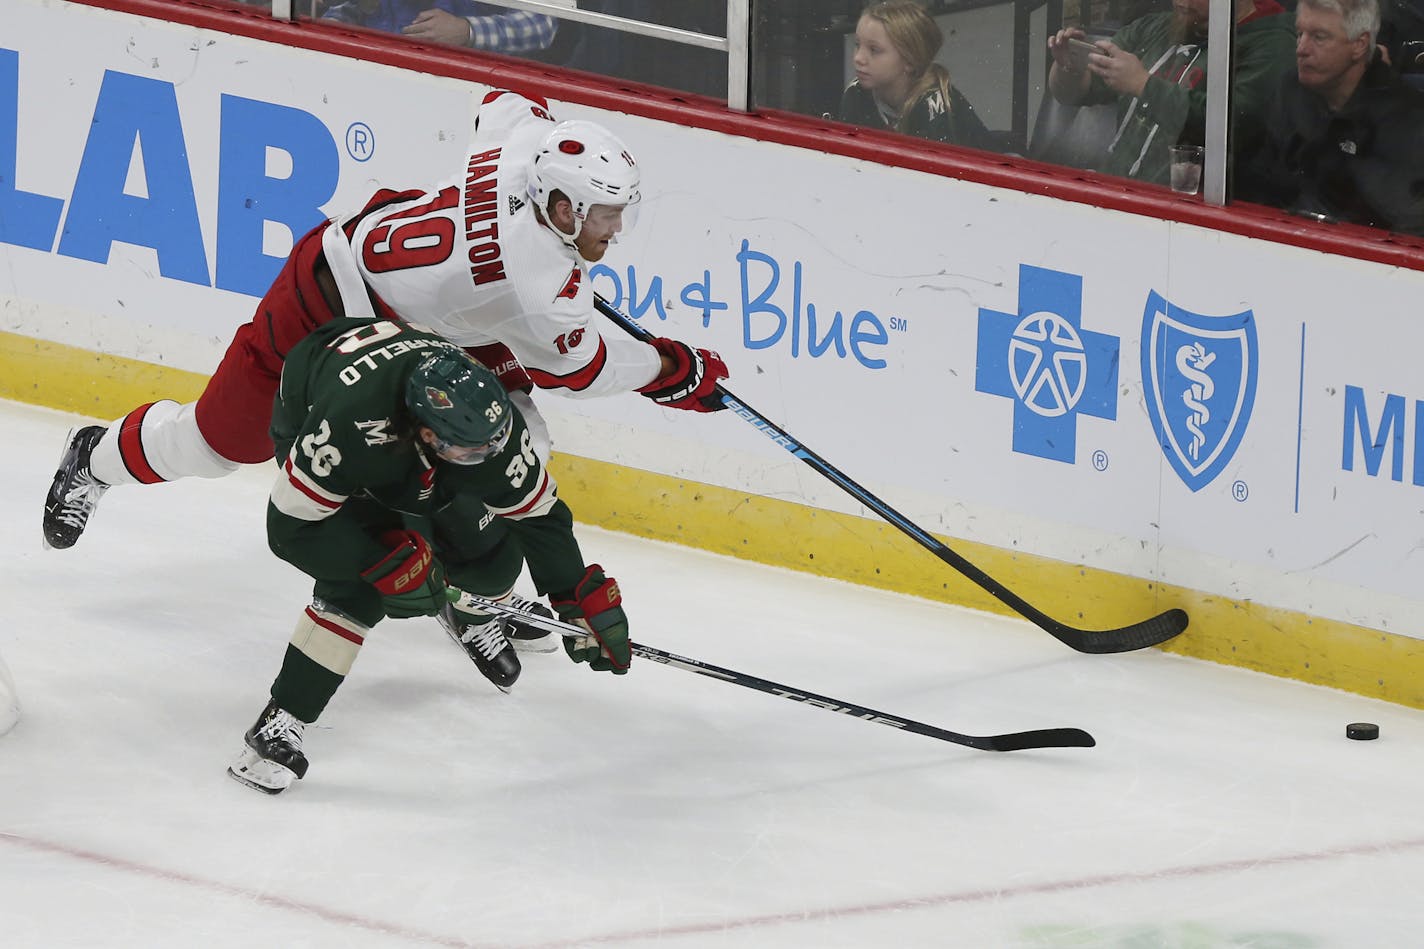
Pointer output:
1100, 460
360, 141
1239, 491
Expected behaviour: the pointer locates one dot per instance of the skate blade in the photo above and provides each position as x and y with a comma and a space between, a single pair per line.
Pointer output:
257, 772
543, 644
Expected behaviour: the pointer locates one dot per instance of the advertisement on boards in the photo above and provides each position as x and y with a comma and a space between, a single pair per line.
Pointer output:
158, 174
1136, 395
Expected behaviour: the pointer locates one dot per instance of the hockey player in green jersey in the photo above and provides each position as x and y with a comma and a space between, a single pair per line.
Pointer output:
404, 467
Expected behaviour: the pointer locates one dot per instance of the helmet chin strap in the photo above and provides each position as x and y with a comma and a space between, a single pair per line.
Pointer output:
568, 239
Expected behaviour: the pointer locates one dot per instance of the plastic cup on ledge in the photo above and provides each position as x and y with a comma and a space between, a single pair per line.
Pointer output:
1186, 169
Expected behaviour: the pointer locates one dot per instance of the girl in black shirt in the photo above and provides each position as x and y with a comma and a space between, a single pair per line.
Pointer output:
898, 85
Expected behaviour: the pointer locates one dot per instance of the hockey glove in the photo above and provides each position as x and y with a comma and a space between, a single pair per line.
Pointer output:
497, 358
692, 382
409, 578
595, 604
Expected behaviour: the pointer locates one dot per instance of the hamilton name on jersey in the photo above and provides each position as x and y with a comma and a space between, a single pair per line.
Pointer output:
481, 208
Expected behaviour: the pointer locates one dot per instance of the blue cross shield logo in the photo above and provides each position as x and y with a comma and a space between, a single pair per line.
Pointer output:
1199, 376
1043, 359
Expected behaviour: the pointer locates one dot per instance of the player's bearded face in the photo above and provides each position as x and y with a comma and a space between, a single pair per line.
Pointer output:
601, 226
1189, 21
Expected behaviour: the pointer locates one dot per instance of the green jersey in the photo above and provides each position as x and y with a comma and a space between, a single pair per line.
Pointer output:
342, 434
1172, 107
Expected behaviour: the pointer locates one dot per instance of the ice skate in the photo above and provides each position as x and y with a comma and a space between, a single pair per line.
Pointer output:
75, 490
486, 644
527, 637
273, 757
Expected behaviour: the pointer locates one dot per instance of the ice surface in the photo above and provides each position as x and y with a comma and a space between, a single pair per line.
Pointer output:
1220, 808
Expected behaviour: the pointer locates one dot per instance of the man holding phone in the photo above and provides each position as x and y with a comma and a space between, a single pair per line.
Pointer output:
1154, 71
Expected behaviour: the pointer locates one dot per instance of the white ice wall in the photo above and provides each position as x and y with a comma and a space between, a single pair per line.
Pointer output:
973, 354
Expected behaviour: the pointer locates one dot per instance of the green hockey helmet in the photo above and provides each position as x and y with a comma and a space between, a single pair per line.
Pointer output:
463, 405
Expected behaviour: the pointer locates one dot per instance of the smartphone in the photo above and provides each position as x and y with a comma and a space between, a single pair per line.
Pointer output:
1078, 51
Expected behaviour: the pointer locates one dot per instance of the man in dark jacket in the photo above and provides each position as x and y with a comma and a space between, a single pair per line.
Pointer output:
1345, 138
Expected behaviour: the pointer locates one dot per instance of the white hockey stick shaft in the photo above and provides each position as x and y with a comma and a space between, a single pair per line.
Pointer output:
1040, 738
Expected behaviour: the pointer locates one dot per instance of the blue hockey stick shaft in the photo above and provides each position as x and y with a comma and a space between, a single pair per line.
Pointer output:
1149, 632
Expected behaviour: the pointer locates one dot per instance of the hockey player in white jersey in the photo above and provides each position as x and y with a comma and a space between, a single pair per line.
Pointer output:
494, 260
490, 259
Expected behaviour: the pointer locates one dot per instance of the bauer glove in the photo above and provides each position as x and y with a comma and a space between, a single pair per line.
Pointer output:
497, 358
409, 578
595, 604
692, 382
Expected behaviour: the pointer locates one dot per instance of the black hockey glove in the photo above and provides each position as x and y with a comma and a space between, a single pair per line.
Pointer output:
692, 382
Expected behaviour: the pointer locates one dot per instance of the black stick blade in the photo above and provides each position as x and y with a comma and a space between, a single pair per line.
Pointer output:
1041, 738
1149, 632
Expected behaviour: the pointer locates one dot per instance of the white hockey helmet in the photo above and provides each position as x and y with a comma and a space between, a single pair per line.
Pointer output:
590, 166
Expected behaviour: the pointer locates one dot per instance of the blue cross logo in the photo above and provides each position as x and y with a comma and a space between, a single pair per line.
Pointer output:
1043, 359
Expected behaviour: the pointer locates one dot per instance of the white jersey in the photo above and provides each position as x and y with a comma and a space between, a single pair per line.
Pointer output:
469, 260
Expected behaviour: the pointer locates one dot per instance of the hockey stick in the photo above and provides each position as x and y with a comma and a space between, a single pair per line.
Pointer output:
1149, 632
1015, 741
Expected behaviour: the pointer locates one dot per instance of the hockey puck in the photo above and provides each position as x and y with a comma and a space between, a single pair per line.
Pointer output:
1362, 731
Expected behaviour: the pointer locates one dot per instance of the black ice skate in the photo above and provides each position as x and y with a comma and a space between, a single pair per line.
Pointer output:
525, 636
75, 490
273, 757
486, 644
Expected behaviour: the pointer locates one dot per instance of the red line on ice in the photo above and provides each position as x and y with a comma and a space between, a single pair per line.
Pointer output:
239, 892
717, 925
982, 896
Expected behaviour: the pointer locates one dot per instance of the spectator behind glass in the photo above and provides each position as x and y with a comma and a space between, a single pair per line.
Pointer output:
899, 86
452, 22
1154, 70
1345, 139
